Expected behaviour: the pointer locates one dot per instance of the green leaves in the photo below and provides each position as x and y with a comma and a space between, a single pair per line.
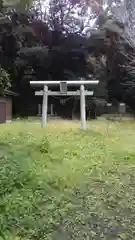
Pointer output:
5, 82
20, 5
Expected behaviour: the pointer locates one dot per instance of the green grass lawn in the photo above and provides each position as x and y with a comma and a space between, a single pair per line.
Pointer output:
62, 183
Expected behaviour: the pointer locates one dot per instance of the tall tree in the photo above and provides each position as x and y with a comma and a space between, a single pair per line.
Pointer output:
130, 18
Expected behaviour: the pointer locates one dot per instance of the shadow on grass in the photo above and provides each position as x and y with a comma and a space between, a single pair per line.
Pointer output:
100, 212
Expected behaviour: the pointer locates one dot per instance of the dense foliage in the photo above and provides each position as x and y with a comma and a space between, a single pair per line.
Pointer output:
5, 81
60, 43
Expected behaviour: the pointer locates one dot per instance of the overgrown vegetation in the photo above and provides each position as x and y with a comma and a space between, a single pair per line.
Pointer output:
62, 183
5, 81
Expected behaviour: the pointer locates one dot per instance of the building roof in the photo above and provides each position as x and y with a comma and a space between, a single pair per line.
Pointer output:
10, 93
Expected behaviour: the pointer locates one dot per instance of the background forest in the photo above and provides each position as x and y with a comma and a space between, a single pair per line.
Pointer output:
67, 39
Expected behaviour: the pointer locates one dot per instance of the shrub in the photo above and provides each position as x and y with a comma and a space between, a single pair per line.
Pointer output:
5, 82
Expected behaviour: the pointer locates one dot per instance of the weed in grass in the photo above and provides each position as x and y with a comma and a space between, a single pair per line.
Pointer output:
43, 146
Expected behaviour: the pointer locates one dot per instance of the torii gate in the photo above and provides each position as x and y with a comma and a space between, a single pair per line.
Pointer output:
63, 92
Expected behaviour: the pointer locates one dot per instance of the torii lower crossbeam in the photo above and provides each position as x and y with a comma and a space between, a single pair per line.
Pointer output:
69, 93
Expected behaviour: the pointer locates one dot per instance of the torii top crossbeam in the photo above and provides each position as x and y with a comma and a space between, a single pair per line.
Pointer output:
82, 82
